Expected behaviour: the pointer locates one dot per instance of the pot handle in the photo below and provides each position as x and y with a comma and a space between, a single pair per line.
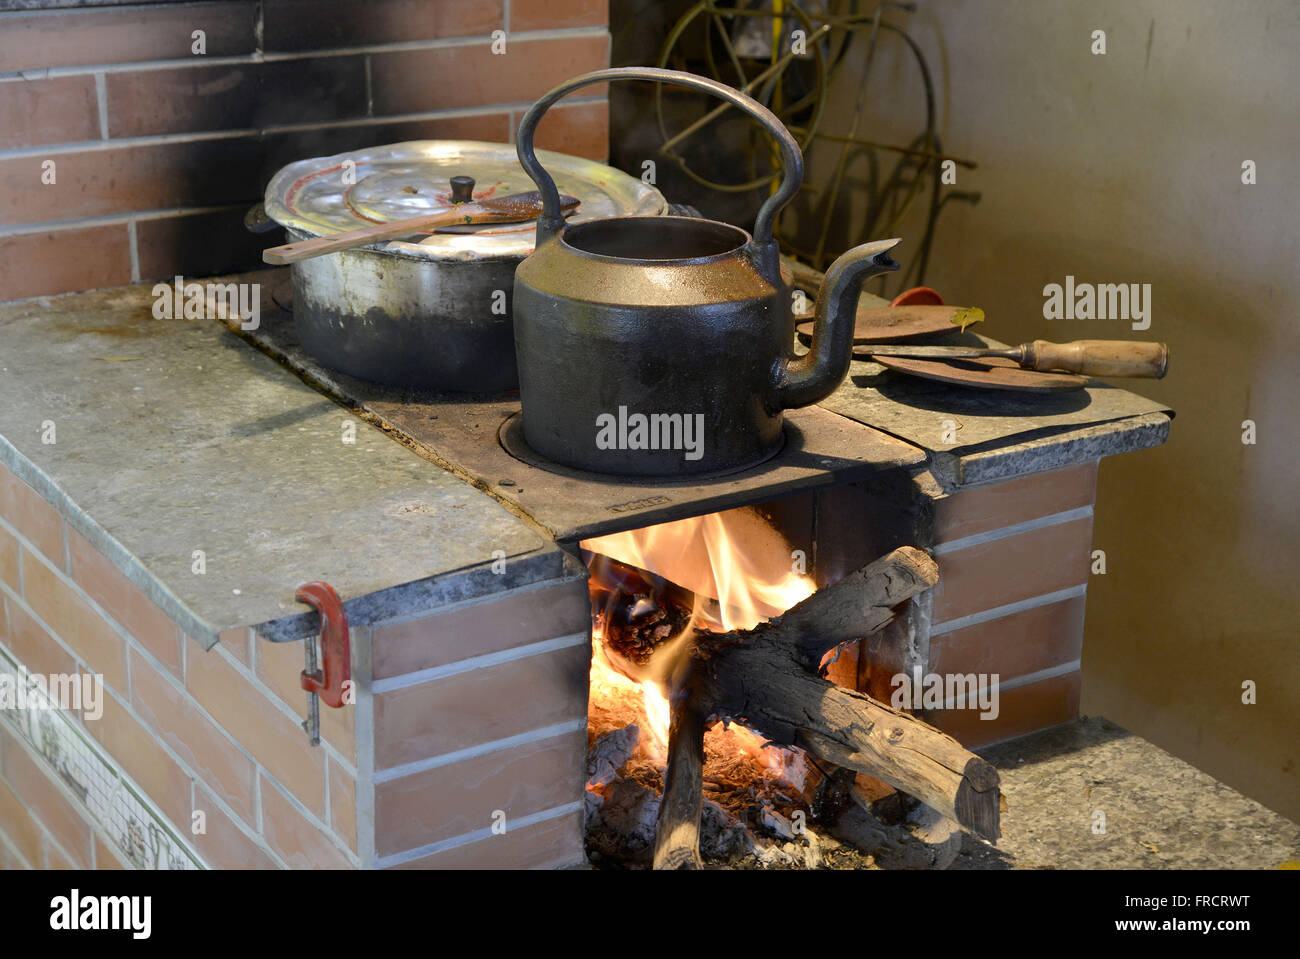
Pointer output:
551, 220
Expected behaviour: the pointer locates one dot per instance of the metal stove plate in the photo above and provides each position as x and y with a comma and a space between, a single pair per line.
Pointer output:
459, 432
511, 436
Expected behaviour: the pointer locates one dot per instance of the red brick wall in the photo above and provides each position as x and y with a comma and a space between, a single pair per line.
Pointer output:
1014, 560
158, 152
480, 721
216, 732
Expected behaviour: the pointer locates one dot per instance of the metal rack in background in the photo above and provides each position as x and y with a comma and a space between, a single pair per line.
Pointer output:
795, 88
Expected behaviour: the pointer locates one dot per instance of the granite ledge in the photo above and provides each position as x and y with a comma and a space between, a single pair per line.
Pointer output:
1161, 812
175, 435
1051, 452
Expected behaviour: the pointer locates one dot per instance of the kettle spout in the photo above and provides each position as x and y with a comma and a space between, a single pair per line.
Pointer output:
817, 373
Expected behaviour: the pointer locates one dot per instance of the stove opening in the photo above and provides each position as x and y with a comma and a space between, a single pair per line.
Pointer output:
651, 590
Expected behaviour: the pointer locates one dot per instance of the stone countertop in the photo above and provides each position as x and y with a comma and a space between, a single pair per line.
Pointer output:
171, 436
1160, 812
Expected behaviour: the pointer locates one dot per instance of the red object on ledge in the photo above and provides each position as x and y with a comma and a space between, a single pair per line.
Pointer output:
918, 296
336, 653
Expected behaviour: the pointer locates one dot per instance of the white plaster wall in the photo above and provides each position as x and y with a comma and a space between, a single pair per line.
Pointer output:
1127, 168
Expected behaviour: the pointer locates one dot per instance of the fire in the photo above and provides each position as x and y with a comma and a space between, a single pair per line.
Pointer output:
751, 582
646, 700
741, 573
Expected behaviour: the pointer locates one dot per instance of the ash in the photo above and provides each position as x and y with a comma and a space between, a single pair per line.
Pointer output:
754, 817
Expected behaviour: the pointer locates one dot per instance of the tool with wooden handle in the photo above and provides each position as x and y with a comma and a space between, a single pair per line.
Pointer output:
515, 208
1087, 357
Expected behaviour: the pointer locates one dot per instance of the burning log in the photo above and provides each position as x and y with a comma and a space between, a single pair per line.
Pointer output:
766, 678
677, 834
641, 610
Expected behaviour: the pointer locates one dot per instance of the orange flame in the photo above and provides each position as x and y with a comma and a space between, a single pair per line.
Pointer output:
742, 572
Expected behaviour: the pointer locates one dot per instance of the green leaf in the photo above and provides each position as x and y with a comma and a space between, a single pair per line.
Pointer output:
966, 316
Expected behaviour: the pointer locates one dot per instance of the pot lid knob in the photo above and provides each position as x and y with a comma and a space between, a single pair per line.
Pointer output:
462, 189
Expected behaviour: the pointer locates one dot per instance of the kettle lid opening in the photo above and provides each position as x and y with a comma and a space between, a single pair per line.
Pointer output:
655, 239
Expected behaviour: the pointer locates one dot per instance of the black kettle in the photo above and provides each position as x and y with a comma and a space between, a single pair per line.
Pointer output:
661, 345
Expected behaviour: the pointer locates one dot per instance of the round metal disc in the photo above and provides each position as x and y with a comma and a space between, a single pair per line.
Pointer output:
512, 440
990, 373
893, 324
327, 195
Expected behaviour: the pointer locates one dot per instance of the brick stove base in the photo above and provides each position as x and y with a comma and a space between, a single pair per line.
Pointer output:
481, 709
191, 732
473, 719
480, 725
1015, 558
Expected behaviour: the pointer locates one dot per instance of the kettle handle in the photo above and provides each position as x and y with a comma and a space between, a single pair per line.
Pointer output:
551, 219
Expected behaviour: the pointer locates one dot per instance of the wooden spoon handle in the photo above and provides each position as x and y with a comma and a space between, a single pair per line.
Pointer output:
318, 246
1098, 357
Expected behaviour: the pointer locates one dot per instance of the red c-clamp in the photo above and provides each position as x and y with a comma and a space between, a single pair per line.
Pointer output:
336, 654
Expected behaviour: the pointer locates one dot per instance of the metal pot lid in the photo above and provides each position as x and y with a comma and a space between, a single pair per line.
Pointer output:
413, 178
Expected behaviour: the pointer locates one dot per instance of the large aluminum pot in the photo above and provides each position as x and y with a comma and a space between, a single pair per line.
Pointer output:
433, 314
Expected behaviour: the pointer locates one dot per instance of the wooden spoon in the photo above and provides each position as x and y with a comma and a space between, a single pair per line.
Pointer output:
514, 208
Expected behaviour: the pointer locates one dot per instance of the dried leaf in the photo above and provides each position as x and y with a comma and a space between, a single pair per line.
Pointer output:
966, 316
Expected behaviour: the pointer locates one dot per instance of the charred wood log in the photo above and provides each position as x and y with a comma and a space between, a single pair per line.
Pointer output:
766, 678
677, 833
769, 693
